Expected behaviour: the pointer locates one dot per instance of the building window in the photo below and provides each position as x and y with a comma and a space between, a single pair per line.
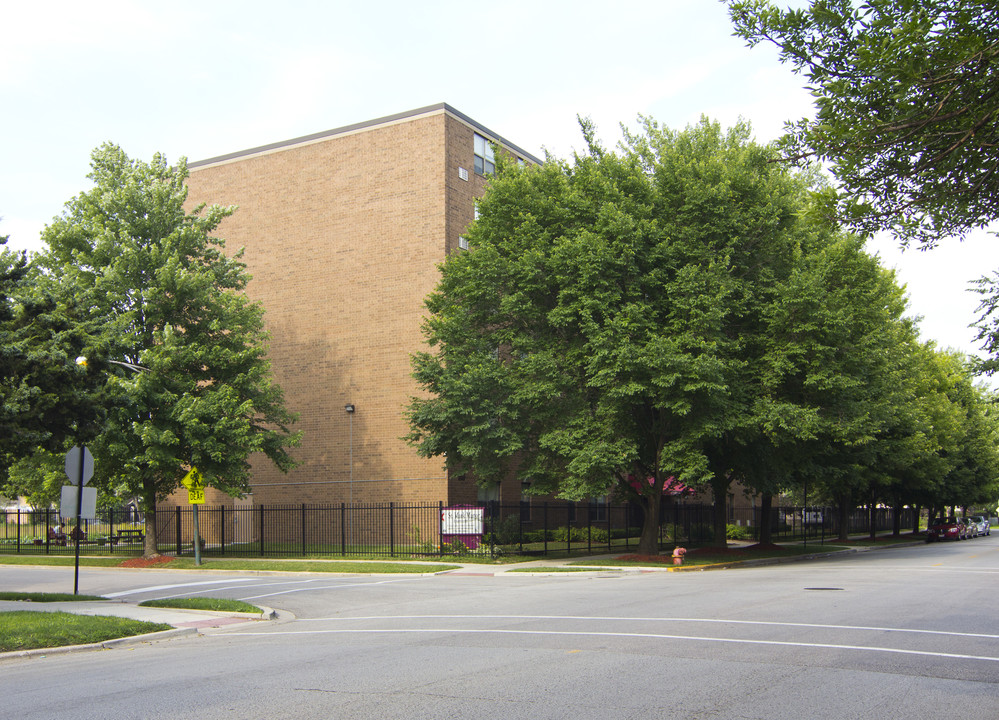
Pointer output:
463, 243
485, 161
525, 503
598, 509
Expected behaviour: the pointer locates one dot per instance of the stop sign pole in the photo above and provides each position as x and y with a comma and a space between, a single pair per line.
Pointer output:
79, 469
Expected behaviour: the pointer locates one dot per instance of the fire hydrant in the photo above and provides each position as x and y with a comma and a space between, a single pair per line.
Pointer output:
678, 554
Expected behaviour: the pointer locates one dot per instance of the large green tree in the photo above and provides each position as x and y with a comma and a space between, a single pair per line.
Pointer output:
45, 400
907, 106
171, 304
830, 374
602, 329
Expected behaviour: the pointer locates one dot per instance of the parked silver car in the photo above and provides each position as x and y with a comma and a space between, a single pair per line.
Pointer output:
970, 528
982, 523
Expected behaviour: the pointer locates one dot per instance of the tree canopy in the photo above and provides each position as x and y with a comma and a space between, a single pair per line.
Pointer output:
171, 304
677, 310
44, 398
606, 323
907, 106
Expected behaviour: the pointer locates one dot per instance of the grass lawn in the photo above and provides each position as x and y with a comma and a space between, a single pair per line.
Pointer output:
203, 603
28, 630
280, 565
47, 597
709, 556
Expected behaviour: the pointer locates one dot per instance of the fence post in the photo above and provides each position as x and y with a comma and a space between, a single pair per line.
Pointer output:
222, 530
176, 514
589, 527
261, 530
440, 528
343, 529
569, 512
544, 526
493, 519
303, 530
610, 511
391, 529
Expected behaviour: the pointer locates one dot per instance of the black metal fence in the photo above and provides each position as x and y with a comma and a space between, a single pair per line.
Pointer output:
397, 529
118, 532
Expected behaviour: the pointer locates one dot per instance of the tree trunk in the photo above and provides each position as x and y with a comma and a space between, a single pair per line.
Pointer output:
766, 530
149, 541
648, 543
720, 515
896, 519
844, 517
149, 548
917, 510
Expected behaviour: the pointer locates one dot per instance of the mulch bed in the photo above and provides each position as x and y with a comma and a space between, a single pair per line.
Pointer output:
144, 562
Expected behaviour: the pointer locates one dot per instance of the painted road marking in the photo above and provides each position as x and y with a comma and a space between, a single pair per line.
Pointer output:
327, 587
657, 619
654, 636
154, 588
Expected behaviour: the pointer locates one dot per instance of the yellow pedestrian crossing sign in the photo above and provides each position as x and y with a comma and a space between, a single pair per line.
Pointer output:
194, 482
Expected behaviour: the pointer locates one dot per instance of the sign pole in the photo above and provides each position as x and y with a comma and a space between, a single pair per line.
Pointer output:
79, 532
197, 537
193, 481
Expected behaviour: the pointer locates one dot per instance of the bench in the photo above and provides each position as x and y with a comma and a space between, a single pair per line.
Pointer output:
127, 536
79, 537
57, 538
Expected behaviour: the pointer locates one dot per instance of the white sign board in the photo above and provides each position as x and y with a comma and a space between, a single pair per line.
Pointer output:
67, 503
462, 521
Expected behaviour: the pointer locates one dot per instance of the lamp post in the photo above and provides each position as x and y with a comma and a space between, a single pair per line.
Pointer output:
349, 407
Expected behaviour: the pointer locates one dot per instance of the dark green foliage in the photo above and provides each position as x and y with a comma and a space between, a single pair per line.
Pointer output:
606, 322
740, 532
171, 304
45, 399
907, 100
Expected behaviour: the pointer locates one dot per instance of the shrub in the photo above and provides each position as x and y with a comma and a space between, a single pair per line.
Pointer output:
700, 532
740, 532
505, 532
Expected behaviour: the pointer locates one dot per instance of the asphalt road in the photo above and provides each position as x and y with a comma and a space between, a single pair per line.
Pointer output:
900, 633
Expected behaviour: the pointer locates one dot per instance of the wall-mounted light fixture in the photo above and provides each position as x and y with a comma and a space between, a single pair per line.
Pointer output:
349, 407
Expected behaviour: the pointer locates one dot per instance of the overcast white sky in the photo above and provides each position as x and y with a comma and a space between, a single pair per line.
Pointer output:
203, 78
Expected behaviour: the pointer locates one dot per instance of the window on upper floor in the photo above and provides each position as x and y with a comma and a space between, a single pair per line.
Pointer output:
485, 160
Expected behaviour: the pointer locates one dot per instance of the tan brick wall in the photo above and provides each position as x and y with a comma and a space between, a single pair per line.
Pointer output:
343, 236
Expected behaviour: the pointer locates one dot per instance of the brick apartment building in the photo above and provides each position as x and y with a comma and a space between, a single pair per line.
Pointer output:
343, 232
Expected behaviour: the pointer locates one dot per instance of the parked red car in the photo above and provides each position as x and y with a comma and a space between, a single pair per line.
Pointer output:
946, 529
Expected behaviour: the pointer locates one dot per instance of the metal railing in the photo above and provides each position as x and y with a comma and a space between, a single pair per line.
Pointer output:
113, 532
417, 530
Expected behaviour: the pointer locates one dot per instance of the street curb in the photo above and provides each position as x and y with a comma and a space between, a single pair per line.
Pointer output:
266, 613
105, 645
731, 565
